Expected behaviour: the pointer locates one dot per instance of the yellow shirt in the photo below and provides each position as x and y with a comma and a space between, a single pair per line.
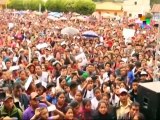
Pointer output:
123, 109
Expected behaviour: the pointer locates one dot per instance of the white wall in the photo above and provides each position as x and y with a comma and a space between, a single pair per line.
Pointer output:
141, 7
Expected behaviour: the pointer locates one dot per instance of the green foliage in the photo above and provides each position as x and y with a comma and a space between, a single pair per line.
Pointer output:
26, 4
70, 5
148, 15
85, 7
80, 6
16, 4
56, 5
34, 5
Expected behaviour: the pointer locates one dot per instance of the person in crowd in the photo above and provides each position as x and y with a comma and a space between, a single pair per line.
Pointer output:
41, 76
103, 67
134, 111
123, 106
71, 94
97, 98
21, 100
76, 109
51, 93
79, 96
9, 109
62, 83
69, 115
105, 88
102, 112
34, 103
22, 77
111, 109
61, 101
88, 91
87, 112
134, 91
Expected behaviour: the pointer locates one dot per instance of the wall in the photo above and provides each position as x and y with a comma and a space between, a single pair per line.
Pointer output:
131, 7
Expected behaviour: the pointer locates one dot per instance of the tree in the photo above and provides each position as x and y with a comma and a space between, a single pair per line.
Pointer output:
56, 5
16, 4
70, 6
148, 15
35, 4
85, 7
26, 4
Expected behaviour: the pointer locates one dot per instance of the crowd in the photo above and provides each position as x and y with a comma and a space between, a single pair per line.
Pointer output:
47, 75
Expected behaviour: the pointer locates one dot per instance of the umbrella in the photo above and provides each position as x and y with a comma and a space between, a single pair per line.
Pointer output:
63, 18
52, 18
69, 31
75, 14
55, 14
90, 34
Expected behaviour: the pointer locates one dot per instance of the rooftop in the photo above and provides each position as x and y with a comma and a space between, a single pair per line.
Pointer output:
108, 6
3, 2
156, 8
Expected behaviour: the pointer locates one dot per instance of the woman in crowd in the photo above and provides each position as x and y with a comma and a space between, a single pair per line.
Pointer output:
61, 104
102, 112
87, 112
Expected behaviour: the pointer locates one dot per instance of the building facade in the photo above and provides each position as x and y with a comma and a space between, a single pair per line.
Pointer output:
134, 7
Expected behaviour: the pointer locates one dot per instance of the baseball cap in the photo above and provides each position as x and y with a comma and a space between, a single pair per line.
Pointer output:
33, 95
123, 90
8, 96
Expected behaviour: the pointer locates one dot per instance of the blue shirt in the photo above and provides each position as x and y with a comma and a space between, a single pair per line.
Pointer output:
130, 76
29, 112
51, 99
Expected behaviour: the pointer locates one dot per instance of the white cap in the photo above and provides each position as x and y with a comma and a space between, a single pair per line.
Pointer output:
123, 90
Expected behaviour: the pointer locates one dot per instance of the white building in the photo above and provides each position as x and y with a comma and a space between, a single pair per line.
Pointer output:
135, 7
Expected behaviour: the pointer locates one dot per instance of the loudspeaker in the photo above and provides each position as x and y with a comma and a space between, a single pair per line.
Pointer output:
149, 99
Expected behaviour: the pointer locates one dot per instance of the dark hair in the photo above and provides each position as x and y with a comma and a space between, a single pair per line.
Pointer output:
50, 85
39, 85
100, 102
108, 64
106, 94
136, 104
59, 93
105, 83
85, 101
80, 92
61, 79
38, 65
131, 66
95, 89
74, 103
22, 70
73, 85
67, 108
35, 58
138, 64
18, 86
81, 79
